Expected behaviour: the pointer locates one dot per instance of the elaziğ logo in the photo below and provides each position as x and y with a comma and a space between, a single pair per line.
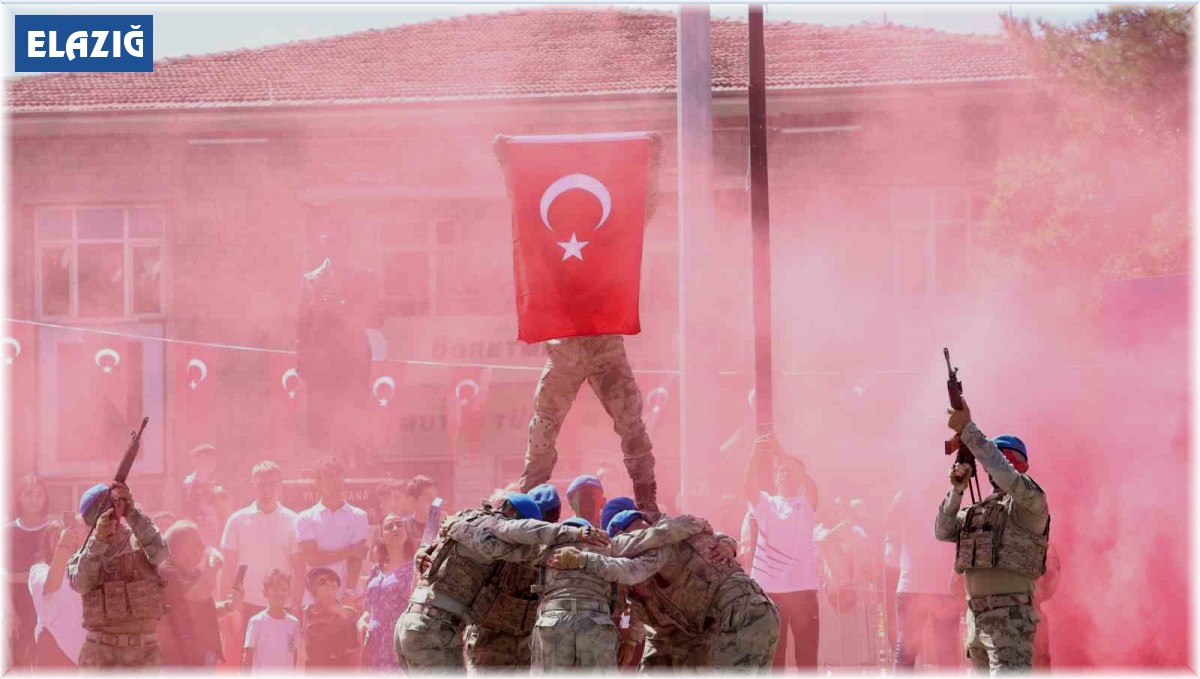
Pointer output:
84, 43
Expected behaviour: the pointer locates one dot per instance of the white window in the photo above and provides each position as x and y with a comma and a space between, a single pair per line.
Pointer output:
931, 237
100, 263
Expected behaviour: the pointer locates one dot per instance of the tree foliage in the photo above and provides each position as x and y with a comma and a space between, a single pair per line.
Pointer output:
1106, 196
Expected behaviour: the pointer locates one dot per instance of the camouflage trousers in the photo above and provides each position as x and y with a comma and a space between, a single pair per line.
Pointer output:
601, 361
428, 643
564, 639
488, 649
95, 655
1000, 633
671, 648
747, 634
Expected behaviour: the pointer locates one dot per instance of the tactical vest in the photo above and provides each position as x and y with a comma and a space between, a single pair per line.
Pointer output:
452, 574
128, 590
989, 539
687, 600
507, 603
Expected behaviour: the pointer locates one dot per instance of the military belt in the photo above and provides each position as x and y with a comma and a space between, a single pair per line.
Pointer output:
435, 613
575, 606
987, 603
122, 640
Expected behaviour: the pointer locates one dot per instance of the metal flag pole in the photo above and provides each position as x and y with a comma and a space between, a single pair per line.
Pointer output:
760, 223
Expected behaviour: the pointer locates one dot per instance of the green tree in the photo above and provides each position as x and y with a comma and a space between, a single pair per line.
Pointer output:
1106, 195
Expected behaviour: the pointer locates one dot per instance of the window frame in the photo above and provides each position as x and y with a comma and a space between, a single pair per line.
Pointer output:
72, 243
929, 224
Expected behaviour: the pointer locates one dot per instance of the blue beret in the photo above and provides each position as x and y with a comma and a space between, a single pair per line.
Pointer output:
615, 506
1011, 443
89, 501
621, 521
585, 480
526, 507
577, 521
546, 498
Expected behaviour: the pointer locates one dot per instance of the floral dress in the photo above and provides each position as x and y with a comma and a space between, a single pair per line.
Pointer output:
387, 597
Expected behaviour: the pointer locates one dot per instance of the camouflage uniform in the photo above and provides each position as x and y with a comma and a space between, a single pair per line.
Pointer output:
1002, 544
504, 611
601, 361
575, 626
429, 633
122, 595
699, 612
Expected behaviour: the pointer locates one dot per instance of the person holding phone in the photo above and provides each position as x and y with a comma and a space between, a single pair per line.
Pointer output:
59, 632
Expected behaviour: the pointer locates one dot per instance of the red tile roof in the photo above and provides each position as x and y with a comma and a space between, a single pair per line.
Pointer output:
546, 52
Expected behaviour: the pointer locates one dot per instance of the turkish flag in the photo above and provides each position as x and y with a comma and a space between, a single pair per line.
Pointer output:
286, 402
387, 405
18, 359
466, 399
579, 211
195, 393
110, 366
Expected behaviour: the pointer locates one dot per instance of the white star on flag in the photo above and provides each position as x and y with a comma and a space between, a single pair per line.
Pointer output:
573, 248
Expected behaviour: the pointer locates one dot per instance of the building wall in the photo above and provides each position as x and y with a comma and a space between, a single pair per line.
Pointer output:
245, 199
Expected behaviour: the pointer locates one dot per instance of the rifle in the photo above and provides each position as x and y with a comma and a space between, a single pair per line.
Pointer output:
955, 444
131, 452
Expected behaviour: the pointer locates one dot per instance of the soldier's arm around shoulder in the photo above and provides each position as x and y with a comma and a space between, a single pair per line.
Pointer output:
626, 571
667, 531
1024, 491
151, 541
533, 532
481, 537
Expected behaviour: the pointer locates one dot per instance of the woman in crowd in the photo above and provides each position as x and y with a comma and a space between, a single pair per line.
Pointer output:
26, 544
59, 629
389, 586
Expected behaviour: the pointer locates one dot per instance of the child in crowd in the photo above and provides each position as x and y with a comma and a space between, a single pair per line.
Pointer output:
330, 628
273, 638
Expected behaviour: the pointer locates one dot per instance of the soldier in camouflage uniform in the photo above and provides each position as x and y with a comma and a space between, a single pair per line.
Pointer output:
499, 638
453, 576
701, 608
1002, 542
116, 573
599, 360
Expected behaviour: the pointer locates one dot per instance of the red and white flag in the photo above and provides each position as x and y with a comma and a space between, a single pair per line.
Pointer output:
466, 400
110, 367
286, 404
195, 393
579, 212
387, 405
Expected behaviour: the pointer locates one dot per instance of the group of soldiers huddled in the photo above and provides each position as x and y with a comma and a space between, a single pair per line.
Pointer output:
525, 591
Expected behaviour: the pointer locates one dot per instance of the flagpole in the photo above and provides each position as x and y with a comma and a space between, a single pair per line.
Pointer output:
699, 394
760, 224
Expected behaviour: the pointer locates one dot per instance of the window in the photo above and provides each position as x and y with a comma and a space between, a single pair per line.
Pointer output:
102, 262
931, 237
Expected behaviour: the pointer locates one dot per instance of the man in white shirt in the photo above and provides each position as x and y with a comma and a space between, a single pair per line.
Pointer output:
333, 532
59, 632
785, 555
262, 537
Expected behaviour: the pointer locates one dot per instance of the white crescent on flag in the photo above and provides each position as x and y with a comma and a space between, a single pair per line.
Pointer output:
458, 391
16, 345
110, 353
290, 373
577, 181
199, 365
381, 381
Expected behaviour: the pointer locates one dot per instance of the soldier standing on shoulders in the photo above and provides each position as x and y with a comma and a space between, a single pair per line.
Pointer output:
116, 572
1002, 542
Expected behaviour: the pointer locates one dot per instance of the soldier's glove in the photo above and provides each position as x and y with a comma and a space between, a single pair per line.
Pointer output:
122, 498
960, 476
958, 418
106, 525
567, 559
591, 536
